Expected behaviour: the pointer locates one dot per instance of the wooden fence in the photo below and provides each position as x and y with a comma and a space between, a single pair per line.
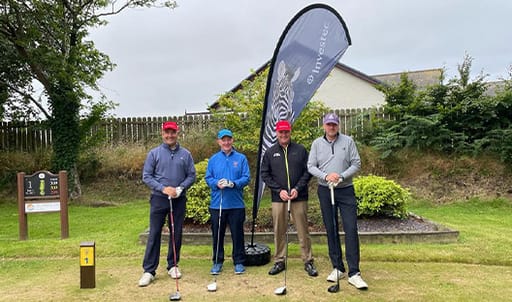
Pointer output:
34, 136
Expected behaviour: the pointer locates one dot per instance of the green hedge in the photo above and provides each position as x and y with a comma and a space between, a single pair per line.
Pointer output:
378, 196
198, 196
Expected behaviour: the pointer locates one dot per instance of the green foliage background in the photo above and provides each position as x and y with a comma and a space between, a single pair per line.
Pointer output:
378, 196
458, 117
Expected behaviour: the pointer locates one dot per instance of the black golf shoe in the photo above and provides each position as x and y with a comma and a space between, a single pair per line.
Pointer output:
310, 268
277, 268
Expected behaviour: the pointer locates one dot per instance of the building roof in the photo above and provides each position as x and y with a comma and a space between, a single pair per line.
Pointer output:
422, 78
338, 65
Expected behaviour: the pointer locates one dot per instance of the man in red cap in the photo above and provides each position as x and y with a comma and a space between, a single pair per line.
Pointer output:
284, 171
168, 171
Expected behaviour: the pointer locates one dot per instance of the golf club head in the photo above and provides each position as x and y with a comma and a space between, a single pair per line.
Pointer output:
334, 288
280, 291
212, 287
175, 297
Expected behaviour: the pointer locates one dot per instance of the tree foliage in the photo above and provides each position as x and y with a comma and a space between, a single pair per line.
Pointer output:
45, 42
454, 117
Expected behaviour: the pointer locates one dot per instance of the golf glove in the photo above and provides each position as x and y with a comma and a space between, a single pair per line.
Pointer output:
222, 183
178, 191
332, 184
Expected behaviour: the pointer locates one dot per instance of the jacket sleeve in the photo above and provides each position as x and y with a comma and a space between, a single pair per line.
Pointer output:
355, 161
148, 172
313, 162
211, 181
245, 175
191, 173
306, 176
266, 173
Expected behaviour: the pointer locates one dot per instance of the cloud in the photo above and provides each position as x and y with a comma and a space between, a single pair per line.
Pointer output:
181, 60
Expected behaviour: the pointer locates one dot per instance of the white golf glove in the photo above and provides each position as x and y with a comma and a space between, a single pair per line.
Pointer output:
333, 184
178, 191
222, 183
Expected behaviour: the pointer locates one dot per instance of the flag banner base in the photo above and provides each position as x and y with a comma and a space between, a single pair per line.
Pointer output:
256, 254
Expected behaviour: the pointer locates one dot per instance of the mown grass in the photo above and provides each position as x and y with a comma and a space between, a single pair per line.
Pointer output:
476, 268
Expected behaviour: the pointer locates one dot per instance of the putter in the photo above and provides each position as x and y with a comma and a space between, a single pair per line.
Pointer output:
174, 296
212, 287
282, 290
334, 288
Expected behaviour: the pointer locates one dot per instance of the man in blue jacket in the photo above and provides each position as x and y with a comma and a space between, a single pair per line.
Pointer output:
227, 174
168, 171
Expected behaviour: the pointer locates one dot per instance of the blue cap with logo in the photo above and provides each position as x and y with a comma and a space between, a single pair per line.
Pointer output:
224, 132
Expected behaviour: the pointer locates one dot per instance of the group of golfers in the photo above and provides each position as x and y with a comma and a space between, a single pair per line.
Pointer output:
286, 169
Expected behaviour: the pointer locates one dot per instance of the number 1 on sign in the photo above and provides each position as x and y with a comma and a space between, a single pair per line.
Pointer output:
86, 256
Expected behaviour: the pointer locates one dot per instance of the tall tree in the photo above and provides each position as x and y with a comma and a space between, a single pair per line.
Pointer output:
45, 42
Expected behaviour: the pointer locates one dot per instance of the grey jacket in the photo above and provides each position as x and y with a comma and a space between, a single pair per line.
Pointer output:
340, 156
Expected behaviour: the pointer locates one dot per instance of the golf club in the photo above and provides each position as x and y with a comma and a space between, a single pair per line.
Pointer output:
213, 286
174, 296
282, 290
334, 288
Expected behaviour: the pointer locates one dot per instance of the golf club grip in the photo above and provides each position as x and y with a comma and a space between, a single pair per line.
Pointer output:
331, 188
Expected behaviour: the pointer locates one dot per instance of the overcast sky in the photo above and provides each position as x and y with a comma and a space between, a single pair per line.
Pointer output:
169, 62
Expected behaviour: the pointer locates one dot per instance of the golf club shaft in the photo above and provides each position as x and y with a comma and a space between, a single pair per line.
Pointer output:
335, 226
171, 215
289, 211
218, 231
287, 240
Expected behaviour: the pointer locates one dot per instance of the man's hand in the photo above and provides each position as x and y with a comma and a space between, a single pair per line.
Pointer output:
225, 183
170, 191
333, 177
294, 194
283, 194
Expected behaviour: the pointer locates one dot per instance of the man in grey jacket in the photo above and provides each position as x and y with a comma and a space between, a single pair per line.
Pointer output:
334, 160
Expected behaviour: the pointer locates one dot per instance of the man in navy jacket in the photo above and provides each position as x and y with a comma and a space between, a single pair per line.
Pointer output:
168, 171
284, 171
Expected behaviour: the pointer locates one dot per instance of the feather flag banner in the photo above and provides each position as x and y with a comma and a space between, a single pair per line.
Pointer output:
308, 49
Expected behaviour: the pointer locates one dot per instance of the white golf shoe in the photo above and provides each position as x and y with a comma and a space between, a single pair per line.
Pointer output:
174, 272
335, 275
146, 279
357, 281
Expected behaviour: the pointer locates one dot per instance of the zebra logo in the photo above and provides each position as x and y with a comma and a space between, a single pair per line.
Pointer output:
281, 105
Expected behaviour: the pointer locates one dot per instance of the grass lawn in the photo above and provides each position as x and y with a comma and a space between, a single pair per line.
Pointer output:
45, 268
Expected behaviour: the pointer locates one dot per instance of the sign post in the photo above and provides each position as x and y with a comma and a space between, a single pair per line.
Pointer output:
88, 264
42, 192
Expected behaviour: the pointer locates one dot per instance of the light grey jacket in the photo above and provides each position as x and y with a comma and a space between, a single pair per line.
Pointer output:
340, 156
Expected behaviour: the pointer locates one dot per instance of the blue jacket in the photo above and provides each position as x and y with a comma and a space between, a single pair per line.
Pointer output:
234, 167
165, 167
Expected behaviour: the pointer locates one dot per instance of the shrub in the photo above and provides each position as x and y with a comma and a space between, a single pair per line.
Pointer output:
378, 196
199, 196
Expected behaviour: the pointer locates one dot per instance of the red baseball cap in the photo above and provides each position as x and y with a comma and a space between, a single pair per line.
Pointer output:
283, 126
170, 125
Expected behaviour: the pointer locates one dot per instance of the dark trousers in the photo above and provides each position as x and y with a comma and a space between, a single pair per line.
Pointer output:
345, 202
235, 218
159, 212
